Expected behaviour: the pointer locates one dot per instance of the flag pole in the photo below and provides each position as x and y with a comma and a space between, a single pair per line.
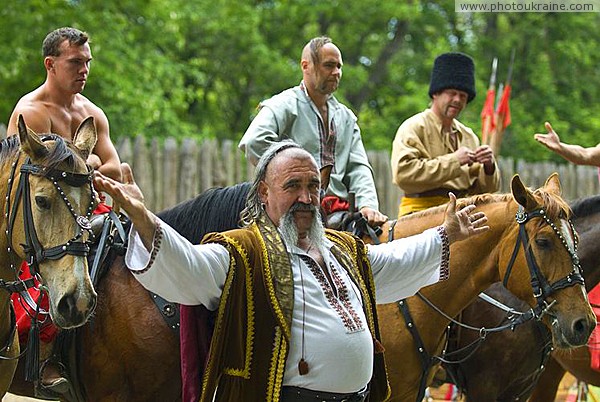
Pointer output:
487, 113
503, 109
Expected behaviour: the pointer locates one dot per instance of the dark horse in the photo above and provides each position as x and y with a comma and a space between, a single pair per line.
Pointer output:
507, 364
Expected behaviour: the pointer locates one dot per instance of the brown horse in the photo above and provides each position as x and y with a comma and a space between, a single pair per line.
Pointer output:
46, 200
506, 365
544, 266
128, 352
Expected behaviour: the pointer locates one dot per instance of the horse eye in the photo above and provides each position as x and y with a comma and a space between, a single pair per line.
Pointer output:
42, 202
542, 242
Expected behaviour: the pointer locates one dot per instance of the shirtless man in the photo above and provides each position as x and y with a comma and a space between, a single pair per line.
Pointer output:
58, 107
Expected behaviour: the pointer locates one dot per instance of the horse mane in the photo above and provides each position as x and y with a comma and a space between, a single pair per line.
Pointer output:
61, 152
479, 199
554, 205
586, 206
9, 147
215, 210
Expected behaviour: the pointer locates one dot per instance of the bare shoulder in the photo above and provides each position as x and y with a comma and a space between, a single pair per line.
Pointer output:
35, 114
91, 108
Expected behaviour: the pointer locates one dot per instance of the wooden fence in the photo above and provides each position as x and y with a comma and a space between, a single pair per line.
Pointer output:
170, 172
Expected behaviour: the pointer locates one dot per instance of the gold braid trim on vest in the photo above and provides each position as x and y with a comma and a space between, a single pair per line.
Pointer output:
277, 366
279, 278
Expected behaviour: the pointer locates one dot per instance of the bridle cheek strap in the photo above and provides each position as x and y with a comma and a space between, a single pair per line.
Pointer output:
34, 250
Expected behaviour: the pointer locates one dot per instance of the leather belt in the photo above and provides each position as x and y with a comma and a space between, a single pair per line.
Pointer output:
297, 394
438, 192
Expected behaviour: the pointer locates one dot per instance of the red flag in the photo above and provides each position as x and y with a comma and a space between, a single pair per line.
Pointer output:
503, 111
488, 121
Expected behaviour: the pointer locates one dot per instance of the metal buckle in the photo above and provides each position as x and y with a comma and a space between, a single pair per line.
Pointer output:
521, 216
84, 222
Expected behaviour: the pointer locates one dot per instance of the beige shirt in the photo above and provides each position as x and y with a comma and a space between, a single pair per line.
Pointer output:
422, 158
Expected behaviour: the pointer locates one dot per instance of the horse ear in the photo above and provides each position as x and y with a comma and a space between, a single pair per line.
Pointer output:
85, 137
522, 194
31, 144
553, 184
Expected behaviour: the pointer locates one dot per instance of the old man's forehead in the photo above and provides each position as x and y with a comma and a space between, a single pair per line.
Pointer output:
294, 153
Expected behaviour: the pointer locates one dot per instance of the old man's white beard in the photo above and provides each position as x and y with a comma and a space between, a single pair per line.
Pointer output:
316, 233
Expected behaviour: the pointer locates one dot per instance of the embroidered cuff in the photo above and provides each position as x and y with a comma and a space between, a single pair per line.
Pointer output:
156, 241
445, 263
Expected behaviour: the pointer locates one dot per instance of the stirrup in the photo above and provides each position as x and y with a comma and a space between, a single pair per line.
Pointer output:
58, 386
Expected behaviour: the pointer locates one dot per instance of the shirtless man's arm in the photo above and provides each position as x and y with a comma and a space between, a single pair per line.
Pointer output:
104, 158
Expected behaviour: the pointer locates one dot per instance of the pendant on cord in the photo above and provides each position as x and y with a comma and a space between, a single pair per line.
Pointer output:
303, 367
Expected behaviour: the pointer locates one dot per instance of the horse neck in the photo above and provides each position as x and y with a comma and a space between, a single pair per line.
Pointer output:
473, 262
588, 229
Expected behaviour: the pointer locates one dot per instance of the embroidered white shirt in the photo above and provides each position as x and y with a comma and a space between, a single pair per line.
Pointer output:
339, 353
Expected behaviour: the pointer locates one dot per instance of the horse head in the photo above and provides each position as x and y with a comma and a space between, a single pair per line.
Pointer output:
548, 242
50, 191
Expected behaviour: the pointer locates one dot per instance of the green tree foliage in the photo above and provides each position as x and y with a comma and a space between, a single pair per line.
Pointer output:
199, 68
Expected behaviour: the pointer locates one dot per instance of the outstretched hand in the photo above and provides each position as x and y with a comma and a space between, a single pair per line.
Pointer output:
551, 140
131, 199
464, 223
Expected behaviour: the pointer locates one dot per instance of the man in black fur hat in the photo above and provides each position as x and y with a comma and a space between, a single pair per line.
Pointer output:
433, 153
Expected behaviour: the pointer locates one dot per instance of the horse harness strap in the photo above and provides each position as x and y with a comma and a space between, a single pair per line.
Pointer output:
547, 347
391, 230
541, 288
168, 310
422, 352
511, 313
106, 241
34, 248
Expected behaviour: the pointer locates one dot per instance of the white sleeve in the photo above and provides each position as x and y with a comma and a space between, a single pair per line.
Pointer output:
177, 270
402, 267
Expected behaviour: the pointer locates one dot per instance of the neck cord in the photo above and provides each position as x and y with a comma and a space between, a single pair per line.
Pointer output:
302, 364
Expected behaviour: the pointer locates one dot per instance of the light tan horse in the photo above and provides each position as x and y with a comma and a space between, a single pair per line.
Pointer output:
46, 198
477, 263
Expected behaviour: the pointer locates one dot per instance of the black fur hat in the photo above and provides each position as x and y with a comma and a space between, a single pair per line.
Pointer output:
453, 70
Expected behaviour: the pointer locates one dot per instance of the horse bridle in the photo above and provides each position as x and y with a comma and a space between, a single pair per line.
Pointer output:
541, 288
34, 250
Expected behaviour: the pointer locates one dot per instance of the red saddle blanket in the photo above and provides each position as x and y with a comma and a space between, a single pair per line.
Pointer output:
594, 341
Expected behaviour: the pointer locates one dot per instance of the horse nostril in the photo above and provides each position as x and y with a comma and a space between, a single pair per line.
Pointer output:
67, 306
583, 328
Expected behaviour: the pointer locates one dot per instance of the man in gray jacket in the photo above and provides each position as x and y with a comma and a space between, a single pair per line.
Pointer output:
311, 116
